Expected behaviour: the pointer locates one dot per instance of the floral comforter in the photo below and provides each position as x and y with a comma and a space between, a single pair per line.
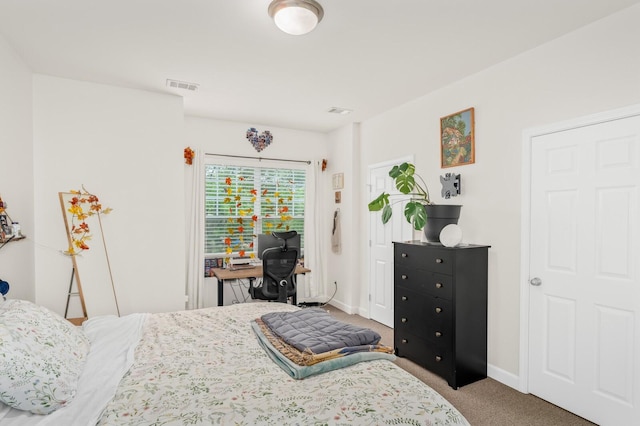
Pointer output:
205, 367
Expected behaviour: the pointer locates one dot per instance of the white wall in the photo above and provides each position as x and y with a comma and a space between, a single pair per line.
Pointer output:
351, 294
16, 172
125, 146
588, 71
229, 138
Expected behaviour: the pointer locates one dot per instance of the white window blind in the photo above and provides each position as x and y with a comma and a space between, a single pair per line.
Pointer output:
242, 202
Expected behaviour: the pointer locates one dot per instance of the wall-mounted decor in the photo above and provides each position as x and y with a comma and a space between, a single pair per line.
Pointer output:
259, 140
450, 185
9, 229
188, 155
457, 139
338, 180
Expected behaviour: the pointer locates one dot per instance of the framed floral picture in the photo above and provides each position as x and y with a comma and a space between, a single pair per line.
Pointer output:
457, 139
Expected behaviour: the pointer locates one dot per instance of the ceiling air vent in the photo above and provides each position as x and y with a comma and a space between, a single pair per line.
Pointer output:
338, 110
183, 85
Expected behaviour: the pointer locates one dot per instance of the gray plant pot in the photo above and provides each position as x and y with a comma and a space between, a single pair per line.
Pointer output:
439, 216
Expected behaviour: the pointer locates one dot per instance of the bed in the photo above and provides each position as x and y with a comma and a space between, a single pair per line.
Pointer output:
203, 367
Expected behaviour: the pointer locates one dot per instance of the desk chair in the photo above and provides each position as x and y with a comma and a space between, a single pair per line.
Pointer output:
278, 272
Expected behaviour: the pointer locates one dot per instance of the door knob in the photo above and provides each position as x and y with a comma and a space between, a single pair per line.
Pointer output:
535, 281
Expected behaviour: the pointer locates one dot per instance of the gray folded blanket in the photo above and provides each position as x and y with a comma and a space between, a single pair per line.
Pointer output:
315, 330
302, 371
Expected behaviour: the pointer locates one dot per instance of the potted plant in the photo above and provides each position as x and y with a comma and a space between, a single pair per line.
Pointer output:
419, 211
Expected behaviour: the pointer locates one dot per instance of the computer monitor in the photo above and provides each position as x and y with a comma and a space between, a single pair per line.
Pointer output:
266, 241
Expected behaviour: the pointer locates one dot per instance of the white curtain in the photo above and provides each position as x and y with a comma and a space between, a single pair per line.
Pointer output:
314, 232
194, 183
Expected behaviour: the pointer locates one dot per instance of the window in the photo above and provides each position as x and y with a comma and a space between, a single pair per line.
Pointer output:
242, 201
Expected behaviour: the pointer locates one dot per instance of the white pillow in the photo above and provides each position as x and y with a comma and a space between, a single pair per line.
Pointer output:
41, 357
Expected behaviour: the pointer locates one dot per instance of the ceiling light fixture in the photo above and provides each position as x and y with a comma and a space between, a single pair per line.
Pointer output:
296, 17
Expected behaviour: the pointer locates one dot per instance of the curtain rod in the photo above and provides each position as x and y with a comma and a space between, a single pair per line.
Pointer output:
258, 158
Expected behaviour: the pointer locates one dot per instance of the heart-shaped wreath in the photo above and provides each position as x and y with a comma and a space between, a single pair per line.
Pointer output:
259, 141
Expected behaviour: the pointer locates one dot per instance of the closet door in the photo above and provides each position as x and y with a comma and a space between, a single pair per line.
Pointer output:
584, 316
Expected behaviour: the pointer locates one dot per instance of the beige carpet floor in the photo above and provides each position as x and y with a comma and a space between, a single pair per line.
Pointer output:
486, 402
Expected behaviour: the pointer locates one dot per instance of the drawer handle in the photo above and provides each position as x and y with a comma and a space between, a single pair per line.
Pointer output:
438, 310
404, 277
438, 285
438, 358
438, 334
404, 298
438, 260
403, 320
405, 255
404, 340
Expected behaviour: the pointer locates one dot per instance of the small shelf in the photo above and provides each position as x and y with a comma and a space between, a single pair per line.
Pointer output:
18, 238
4, 242
9, 229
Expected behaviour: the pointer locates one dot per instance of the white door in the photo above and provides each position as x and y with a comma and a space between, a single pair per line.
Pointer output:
381, 238
584, 297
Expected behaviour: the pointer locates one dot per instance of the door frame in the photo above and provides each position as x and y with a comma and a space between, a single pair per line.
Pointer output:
525, 217
387, 163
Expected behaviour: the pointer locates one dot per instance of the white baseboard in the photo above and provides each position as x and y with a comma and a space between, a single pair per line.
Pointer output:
504, 377
364, 313
343, 307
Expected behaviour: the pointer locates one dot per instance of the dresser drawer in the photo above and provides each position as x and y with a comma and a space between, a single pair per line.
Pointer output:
437, 334
435, 358
430, 283
429, 317
424, 257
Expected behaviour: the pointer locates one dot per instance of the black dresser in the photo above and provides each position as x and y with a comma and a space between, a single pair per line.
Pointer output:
440, 309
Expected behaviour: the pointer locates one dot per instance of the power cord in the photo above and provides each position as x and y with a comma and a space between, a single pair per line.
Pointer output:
311, 304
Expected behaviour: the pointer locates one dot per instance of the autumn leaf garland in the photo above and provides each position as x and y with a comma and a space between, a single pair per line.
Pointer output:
82, 206
189, 155
236, 226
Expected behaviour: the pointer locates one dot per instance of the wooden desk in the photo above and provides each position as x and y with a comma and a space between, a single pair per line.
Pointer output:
222, 274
